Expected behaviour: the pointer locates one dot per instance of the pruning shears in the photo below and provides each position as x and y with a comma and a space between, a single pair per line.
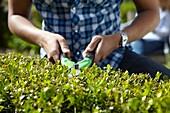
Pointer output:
86, 62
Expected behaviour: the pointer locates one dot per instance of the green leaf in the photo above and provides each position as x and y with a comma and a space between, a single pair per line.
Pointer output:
146, 92
67, 86
73, 71
72, 100
157, 77
57, 100
1, 108
134, 103
86, 111
29, 65
49, 92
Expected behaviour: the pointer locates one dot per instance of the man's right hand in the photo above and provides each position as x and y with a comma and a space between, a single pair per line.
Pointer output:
20, 25
54, 44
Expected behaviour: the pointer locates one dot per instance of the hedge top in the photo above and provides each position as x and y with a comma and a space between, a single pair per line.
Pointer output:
32, 85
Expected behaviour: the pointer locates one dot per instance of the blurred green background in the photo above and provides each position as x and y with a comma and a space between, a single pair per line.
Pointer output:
10, 42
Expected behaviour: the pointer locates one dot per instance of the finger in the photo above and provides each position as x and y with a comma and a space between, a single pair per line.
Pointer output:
51, 60
97, 58
98, 54
101, 51
94, 42
92, 46
54, 56
64, 47
54, 59
54, 52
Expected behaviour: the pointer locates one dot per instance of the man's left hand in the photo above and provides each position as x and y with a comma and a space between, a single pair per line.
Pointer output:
103, 45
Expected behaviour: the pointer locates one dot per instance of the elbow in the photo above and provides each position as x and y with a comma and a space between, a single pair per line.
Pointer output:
13, 24
10, 24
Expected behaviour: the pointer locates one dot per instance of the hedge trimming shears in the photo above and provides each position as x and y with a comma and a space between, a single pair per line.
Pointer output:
86, 62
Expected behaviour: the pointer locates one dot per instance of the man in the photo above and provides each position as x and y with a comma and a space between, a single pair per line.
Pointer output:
81, 26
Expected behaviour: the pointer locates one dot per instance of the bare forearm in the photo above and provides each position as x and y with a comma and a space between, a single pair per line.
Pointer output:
145, 22
23, 28
18, 21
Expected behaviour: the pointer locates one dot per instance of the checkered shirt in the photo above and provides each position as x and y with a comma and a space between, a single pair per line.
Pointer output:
79, 20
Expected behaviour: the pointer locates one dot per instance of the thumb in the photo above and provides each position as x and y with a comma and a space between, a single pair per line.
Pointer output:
92, 45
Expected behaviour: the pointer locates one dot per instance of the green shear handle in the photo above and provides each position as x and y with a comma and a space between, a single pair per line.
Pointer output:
86, 62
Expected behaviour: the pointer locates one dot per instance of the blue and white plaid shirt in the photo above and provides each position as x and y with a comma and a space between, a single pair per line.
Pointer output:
79, 20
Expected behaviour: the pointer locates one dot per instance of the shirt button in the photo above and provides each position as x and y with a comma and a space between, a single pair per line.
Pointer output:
76, 31
78, 53
75, 28
74, 9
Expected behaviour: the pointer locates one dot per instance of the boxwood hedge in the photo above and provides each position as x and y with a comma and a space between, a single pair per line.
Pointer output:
33, 85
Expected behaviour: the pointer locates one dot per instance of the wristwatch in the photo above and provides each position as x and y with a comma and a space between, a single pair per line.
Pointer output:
124, 39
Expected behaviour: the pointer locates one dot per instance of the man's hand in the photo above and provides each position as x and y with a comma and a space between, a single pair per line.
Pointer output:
103, 45
54, 44
19, 24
